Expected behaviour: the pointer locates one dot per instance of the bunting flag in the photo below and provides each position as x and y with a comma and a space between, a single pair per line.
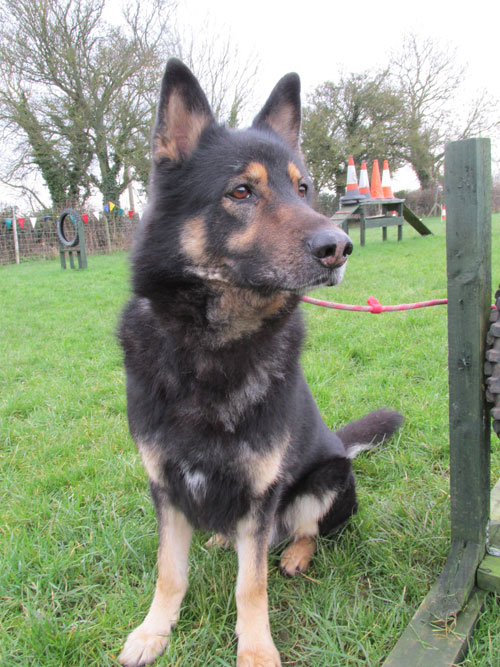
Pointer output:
85, 216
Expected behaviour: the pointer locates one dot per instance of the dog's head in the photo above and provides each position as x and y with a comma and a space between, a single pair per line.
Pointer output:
234, 206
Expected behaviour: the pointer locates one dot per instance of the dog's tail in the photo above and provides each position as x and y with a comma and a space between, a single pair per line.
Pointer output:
369, 431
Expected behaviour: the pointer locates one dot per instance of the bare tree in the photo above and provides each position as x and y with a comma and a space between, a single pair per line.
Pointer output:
78, 92
435, 110
224, 73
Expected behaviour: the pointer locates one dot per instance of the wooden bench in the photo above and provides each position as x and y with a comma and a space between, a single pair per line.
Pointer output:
374, 213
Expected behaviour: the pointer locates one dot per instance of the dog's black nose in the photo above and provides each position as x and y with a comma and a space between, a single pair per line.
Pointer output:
330, 246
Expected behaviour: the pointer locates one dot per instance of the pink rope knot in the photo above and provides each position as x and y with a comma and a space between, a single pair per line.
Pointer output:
375, 305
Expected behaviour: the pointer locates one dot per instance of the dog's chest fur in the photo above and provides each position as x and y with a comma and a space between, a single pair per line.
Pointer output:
216, 422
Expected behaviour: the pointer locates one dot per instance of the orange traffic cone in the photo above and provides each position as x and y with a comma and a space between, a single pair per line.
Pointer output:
376, 189
386, 181
364, 183
443, 213
352, 193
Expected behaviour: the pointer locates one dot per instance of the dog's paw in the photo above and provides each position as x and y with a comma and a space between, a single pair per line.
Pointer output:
142, 648
297, 556
268, 657
218, 540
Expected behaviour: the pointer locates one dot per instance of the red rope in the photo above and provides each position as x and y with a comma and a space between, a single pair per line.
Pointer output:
374, 306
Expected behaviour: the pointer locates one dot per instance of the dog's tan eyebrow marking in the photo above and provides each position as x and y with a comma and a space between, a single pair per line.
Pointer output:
294, 173
256, 172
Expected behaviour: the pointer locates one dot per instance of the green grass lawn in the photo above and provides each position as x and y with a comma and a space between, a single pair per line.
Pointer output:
77, 528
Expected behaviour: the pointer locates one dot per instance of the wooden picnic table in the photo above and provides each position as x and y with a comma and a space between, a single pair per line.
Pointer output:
376, 213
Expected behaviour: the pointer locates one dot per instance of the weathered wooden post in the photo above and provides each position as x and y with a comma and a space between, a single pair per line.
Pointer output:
454, 598
16, 238
468, 241
106, 231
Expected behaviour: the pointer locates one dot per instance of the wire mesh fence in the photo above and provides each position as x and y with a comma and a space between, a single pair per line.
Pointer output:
36, 235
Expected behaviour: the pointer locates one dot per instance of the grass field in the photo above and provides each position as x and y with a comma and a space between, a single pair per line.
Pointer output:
77, 530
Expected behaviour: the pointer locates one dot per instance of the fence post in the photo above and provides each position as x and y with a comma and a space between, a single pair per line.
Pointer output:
468, 242
438, 633
106, 230
16, 239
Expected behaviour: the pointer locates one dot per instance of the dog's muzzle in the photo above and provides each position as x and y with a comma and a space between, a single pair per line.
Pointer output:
331, 247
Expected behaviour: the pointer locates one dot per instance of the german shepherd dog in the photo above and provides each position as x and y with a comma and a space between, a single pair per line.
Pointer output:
226, 426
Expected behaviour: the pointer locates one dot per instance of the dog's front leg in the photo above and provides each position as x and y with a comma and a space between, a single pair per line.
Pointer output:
255, 644
147, 641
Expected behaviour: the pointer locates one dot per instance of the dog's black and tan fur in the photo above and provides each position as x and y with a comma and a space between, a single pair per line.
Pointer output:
226, 426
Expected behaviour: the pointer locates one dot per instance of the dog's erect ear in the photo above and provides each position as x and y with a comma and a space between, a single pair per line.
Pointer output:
281, 112
183, 113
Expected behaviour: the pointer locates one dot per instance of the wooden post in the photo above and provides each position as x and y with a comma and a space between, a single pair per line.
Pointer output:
362, 226
468, 242
106, 231
130, 192
16, 239
82, 253
454, 597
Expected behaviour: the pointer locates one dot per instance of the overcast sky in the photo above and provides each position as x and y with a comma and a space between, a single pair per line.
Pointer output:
315, 37
318, 38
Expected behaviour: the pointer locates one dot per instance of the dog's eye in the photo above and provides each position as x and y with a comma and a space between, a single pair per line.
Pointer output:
241, 192
302, 190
